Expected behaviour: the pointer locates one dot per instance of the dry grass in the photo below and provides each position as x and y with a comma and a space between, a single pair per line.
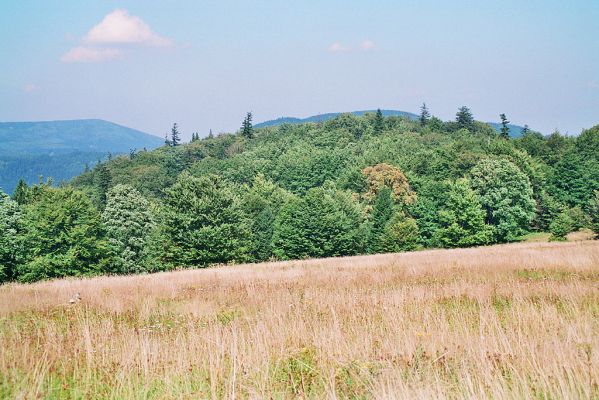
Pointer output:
513, 321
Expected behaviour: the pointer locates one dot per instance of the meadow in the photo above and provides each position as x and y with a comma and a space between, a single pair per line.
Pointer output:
506, 321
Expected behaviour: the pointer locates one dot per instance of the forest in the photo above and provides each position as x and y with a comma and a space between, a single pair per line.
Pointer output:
351, 185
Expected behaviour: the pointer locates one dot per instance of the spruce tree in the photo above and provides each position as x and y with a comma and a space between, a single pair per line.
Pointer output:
379, 122
167, 142
525, 130
505, 130
464, 118
424, 115
247, 129
175, 139
103, 181
21, 193
210, 135
381, 214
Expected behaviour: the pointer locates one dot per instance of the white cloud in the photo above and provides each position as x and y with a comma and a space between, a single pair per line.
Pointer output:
90, 54
338, 48
368, 45
30, 87
593, 84
119, 27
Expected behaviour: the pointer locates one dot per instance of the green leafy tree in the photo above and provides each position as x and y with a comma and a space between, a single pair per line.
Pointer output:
324, 223
21, 193
462, 218
505, 129
425, 115
506, 196
400, 234
382, 212
10, 229
62, 235
262, 202
247, 130
175, 135
561, 226
464, 119
203, 223
129, 223
594, 212
379, 122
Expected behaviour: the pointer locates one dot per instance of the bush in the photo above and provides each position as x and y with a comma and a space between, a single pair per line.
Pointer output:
561, 226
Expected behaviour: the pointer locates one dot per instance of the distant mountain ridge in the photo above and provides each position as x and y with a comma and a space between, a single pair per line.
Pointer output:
515, 130
61, 149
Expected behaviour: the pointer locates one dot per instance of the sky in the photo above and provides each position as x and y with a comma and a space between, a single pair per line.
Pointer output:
203, 64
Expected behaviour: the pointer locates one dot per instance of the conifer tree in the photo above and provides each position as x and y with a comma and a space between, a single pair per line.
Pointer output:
381, 214
424, 115
210, 135
167, 142
103, 182
175, 139
21, 193
247, 129
379, 122
505, 130
525, 130
464, 118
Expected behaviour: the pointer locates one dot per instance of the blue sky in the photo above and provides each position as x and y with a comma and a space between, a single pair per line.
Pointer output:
203, 64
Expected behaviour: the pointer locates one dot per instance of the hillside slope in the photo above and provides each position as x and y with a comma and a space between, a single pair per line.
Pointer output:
61, 149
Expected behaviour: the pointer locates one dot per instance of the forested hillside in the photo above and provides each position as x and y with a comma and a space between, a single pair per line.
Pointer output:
62, 149
349, 185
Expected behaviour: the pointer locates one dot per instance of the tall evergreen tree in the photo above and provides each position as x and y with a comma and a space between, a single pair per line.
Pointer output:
103, 181
210, 135
505, 129
379, 122
167, 142
525, 130
247, 130
10, 229
464, 118
424, 115
21, 194
175, 139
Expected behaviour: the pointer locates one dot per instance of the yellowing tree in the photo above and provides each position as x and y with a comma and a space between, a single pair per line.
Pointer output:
385, 175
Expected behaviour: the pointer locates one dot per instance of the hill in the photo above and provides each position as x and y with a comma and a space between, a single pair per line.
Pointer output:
61, 149
515, 130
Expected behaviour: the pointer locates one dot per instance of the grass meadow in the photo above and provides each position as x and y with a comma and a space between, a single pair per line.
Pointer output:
502, 322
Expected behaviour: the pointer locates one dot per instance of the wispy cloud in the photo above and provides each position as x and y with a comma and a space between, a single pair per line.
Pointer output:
339, 48
119, 27
90, 55
116, 29
30, 87
367, 45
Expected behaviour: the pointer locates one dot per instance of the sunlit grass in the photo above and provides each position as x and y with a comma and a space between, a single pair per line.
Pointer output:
513, 321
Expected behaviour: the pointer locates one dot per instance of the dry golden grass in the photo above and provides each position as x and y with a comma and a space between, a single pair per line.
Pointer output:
513, 321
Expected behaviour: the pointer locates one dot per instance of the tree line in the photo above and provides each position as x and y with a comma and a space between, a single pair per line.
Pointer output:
351, 185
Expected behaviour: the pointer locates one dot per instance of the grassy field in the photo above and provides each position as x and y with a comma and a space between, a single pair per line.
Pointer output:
512, 321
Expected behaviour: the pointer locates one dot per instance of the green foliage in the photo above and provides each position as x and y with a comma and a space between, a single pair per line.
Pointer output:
203, 223
103, 182
129, 223
379, 122
381, 214
424, 115
326, 222
464, 119
462, 218
175, 136
247, 129
506, 196
400, 234
594, 212
561, 226
10, 229
62, 236
505, 129
21, 194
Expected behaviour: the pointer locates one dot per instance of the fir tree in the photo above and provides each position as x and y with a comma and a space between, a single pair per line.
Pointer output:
175, 139
247, 129
464, 118
103, 181
424, 115
381, 214
525, 130
210, 135
166, 141
22, 193
505, 130
379, 122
